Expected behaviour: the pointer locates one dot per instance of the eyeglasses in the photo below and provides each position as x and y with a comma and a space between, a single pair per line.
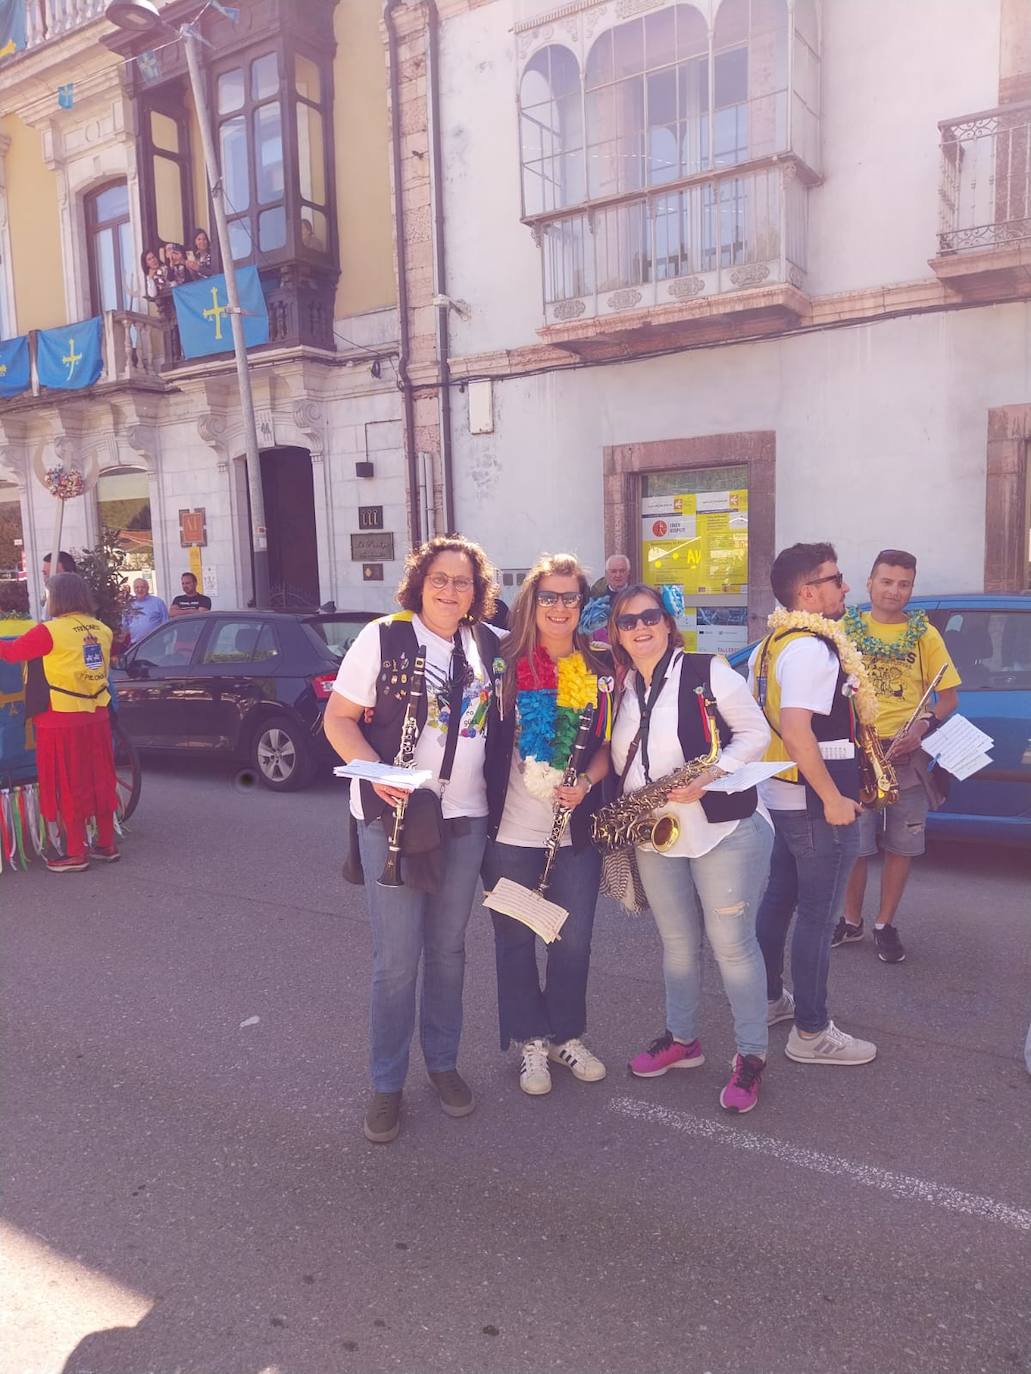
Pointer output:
440, 581
650, 618
569, 599
837, 578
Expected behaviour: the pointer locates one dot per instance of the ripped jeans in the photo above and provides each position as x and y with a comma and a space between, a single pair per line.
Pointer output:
719, 892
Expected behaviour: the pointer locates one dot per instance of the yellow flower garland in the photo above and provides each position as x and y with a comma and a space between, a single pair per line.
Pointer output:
863, 694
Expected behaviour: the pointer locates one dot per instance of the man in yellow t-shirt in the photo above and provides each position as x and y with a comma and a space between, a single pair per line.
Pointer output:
902, 653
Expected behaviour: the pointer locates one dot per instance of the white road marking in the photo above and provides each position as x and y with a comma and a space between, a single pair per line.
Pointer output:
902, 1186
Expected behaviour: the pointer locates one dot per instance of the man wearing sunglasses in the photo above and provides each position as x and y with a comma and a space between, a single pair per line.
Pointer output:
797, 676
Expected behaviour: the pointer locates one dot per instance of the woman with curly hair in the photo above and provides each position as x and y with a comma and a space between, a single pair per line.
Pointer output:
447, 592
552, 673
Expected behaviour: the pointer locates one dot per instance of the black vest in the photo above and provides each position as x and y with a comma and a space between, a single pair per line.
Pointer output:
382, 728
500, 744
718, 806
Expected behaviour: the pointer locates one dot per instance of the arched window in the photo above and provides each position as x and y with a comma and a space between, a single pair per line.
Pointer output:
551, 131
123, 507
111, 257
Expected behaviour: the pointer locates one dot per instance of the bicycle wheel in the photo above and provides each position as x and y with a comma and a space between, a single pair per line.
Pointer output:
128, 773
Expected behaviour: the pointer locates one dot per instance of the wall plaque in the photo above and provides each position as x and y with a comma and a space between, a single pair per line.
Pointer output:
372, 548
372, 572
193, 529
370, 517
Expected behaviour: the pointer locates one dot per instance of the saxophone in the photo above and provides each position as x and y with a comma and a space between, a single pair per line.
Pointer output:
635, 817
878, 783
391, 875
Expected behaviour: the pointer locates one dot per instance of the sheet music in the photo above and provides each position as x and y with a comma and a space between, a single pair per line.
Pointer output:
543, 917
959, 746
407, 779
749, 776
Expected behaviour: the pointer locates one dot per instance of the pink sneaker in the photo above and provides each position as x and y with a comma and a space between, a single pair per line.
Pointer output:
742, 1092
666, 1053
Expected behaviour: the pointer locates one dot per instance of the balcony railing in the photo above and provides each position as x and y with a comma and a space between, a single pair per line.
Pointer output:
46, 19
707, 237
985, 192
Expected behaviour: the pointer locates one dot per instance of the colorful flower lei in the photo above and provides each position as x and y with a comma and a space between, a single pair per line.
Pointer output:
549, 699
64, 483
870, 646
859, 686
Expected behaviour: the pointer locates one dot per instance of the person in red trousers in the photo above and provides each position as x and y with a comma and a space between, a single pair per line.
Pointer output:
66, 693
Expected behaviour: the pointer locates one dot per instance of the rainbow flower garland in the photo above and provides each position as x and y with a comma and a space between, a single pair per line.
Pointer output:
870, 646
549, 699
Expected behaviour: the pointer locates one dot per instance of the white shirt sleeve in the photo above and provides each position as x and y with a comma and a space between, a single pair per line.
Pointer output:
807, 671
741, 712
356, 677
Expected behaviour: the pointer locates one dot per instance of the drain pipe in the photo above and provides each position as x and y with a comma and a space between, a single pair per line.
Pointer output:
401, 265
440, 267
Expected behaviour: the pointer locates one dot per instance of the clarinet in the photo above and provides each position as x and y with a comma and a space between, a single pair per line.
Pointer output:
391, 875
562, 813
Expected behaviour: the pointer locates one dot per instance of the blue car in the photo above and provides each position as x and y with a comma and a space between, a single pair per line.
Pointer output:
988, 636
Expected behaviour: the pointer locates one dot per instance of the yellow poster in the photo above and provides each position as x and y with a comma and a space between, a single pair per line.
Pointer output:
196, 567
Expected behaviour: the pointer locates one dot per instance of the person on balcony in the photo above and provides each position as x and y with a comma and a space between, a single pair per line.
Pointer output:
153, 274
198, 259
176, 271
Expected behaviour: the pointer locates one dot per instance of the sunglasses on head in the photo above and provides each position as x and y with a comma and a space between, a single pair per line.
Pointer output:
551, 598
837, 578
650, 618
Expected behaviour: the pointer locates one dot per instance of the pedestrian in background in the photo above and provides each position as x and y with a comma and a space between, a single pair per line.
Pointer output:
191, 599
144, 611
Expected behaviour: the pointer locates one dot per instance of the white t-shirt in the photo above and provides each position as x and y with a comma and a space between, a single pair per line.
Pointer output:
807, 671
751, 736
465, 794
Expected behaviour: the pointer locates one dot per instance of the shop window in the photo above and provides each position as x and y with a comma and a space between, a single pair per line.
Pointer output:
111, 256
123, 508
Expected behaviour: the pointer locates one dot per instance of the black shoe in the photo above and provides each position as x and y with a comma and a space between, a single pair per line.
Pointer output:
382, 1118
889, 946
845, 933
456, 1097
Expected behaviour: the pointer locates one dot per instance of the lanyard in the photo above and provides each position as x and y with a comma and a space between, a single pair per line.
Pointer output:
646, 704
455, 690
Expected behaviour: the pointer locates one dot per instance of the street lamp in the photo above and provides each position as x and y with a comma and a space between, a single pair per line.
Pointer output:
139, 16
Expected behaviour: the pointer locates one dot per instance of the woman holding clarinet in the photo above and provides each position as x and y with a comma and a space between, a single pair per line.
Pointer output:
552, 675
416, 688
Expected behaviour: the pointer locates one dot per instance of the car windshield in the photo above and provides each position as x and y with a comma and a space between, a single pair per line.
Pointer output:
337, 634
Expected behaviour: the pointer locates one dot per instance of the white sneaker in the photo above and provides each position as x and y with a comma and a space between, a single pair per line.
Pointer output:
578, 1058
534, 1074
831, 1046
781, 1010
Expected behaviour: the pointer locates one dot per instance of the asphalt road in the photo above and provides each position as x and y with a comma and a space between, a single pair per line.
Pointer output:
190, 1192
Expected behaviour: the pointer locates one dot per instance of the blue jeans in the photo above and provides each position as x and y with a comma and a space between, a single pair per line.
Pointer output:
559, 1011
720, 892
408, 926
809, 871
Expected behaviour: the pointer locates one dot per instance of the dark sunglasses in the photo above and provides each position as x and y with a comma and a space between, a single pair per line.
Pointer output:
650, 618
837, 578
550, 598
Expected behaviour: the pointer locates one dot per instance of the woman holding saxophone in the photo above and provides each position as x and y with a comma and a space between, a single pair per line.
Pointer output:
711, 871
416, 688
551, 674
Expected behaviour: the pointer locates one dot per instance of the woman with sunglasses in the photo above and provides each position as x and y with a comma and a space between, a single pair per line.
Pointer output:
551, 673
712, 876
447, 592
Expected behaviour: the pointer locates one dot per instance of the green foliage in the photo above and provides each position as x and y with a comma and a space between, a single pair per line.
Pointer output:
104, 568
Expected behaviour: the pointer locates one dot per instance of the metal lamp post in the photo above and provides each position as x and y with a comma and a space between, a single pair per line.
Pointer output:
138, 16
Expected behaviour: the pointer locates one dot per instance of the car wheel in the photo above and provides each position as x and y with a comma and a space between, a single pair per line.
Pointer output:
280, 755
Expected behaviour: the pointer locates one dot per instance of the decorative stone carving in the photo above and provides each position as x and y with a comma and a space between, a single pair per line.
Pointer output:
569, 310
685, 288
625, 299
796, 276
752, 275
310, 419
626, 9
214, 430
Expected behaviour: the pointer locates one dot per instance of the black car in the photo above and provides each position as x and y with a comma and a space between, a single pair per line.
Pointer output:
244, 685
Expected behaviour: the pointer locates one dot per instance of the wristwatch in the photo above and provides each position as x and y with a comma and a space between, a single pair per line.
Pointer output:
582, 777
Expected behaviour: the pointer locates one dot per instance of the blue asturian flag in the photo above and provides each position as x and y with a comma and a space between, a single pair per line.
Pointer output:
12, 27
69, 359
14, 366
202, 312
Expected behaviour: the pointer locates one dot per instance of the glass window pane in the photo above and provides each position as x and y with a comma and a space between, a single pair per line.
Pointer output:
127, 258
264, 76
268, 152
240, 239
112, 203
599, 62
164, 131
172, 646
314, 230
230, 91
628, 48
107, 275
266, 647
307, 79
168, 200
731, 77
123, 501
272, 229
311, 155
660, 48
233, 136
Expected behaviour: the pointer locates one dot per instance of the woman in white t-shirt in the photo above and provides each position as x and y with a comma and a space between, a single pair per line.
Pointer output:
551, 675
712, 876
446, 592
